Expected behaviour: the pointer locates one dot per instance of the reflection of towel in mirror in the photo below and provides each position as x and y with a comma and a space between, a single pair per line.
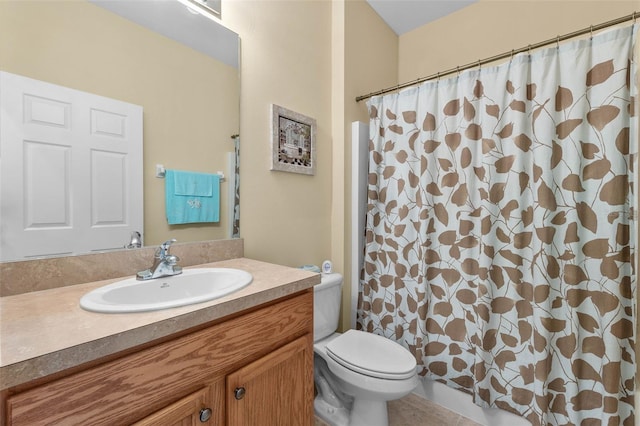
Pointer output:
191, 197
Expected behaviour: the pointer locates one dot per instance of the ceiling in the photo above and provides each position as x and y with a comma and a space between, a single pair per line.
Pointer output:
405, 15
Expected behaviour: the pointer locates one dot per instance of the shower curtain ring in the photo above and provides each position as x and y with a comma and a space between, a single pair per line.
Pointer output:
634, 16
591, 31
558, 42
511, 60
458, 69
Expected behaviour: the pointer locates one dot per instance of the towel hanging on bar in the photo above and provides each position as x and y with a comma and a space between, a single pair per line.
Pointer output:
192, 197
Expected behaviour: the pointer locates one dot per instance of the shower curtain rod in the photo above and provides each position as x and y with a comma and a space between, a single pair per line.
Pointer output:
504, 55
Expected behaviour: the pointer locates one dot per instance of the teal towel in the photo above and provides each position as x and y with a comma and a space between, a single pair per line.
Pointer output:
191, 197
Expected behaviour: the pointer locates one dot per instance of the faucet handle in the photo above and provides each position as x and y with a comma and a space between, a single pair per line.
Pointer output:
163, 250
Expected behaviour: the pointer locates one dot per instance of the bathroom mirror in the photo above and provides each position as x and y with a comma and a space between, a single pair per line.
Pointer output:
181, 67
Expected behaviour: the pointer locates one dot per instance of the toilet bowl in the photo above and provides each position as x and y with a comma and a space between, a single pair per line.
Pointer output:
356, 373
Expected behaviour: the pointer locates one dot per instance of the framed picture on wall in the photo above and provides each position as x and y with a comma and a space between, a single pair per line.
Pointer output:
293, 141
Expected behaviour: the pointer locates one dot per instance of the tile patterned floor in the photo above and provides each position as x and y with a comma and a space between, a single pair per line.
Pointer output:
414, 410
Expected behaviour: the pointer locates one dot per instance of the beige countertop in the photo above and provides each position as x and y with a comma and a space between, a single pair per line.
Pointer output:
47, 331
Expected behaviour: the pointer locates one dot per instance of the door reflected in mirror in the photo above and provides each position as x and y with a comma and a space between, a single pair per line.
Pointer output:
188, 89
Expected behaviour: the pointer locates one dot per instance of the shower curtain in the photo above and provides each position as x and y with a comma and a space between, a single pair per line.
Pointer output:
499, 235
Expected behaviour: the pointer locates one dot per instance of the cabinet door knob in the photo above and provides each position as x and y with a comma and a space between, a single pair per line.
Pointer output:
205, 414
239, 393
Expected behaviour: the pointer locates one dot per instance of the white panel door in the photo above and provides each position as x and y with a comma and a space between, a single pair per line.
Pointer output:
70, 170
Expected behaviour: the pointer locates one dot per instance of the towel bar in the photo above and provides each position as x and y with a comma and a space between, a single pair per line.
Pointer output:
160, 172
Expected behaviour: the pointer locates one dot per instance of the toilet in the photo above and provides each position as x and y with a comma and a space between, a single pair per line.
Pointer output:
356, 372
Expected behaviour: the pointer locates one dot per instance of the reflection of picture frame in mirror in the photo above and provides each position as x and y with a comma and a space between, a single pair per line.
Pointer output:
293, 141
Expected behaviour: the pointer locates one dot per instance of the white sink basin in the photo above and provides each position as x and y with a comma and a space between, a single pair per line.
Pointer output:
192, 286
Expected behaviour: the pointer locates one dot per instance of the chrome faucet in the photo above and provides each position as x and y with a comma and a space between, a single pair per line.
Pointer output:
164, 264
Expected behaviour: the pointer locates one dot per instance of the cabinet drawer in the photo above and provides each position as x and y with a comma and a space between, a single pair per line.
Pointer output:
190, 410
127, 389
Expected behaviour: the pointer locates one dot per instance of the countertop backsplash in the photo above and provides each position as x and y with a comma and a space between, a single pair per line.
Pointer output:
42, 274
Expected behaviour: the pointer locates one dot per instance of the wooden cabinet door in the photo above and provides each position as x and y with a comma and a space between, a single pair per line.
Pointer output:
204, 407
276, 390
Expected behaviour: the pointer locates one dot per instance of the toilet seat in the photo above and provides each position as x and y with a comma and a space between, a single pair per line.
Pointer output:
372, 355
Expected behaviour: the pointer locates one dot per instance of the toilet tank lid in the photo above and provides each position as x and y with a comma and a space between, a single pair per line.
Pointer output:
373, 355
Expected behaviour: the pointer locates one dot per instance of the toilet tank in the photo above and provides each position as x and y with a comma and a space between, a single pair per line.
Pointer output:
326, 305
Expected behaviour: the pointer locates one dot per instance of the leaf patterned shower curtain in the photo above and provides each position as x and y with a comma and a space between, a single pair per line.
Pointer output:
499, 236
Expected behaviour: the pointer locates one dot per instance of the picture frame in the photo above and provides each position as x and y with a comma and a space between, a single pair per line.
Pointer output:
293, 141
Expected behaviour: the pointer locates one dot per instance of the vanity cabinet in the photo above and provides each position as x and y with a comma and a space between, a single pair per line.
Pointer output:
253, 368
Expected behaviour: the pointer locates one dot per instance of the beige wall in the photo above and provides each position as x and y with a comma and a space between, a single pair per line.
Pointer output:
370, 62
286, 60
311, 57
492, 27
187, 121
338, 81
